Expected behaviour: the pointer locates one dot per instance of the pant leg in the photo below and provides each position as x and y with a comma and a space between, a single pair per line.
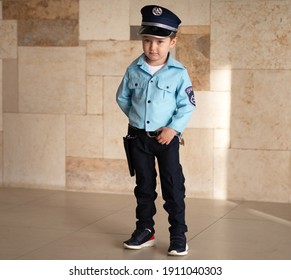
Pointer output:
172, 186
145, 190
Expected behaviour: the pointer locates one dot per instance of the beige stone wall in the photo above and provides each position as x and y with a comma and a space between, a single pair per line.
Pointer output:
62, 60
1, 112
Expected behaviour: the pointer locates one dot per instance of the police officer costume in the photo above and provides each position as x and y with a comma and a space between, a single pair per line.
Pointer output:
150, 103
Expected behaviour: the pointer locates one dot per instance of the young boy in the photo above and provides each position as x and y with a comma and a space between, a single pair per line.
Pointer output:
157, 97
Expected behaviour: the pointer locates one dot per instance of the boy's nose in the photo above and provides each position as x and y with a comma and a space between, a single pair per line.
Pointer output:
152, 46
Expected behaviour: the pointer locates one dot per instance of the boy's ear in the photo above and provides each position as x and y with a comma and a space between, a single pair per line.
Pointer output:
173, 42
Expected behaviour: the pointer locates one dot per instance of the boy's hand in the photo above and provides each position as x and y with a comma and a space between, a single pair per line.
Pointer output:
166, 135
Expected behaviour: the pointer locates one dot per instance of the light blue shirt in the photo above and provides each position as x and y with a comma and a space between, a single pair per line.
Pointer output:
153, 101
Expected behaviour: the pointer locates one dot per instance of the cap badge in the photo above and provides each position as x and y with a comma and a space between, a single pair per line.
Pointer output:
157, 11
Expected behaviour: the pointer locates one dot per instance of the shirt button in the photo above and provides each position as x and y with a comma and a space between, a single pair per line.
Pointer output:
148, 121
149, 101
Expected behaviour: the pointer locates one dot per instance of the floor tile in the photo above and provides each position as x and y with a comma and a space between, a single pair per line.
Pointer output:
243, 239
280, 212
92, 246
50, 217
120, 222
17, 241
20, 196
208, 207
110, 202
4, 205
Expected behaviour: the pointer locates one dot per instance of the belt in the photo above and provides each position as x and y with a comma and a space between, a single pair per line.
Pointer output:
134, 131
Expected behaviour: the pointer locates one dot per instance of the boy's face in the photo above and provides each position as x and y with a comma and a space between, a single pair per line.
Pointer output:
157, 49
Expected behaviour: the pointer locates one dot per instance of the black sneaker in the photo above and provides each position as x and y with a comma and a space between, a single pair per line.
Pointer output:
178, 245
140, 239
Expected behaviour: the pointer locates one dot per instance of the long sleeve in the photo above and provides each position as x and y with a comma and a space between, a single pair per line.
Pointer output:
123, 95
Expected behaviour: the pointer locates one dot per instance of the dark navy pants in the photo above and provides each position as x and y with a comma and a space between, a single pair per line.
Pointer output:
144, 151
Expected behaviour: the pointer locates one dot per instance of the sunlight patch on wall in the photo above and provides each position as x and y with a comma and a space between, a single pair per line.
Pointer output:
221, 84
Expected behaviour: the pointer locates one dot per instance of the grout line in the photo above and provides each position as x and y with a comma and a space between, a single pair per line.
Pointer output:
216, 221
42, 246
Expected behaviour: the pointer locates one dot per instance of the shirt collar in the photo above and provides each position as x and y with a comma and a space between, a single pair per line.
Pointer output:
169, 63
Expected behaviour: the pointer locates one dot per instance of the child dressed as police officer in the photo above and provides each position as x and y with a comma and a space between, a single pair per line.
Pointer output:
157, 97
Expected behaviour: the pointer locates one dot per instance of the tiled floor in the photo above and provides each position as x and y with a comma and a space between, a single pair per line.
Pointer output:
54, 225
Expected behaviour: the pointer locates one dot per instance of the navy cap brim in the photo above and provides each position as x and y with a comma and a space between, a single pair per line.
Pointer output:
155, 31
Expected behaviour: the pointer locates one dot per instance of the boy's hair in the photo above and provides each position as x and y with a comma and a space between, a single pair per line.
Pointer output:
173, 35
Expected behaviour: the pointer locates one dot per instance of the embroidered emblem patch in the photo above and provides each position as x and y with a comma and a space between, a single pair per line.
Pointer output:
191, 96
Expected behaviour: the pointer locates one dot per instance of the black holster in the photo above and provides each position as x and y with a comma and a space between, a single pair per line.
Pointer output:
127, 142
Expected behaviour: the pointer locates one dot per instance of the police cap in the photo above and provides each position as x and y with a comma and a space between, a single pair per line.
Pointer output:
158, 21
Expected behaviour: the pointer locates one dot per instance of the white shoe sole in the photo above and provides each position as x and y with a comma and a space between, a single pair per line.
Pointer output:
149, 243
175, 253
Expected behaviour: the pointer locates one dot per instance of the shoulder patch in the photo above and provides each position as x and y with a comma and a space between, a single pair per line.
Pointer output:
190, 93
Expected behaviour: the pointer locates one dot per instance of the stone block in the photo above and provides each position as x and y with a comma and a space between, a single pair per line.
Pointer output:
258, 38
47, 32
212, 110
35, 9
109, 176
8, 39
197, 162
45, 23
34, 151
115, 121
260, 110
220, 173
259, 175
52, 80
84, 136
103, 20
1, 94
193, 50
10, 85
111, 58
1, 16
94, 95
1, 157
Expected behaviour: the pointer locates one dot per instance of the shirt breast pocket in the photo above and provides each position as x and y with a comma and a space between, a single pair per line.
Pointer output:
137, 88
166, 89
